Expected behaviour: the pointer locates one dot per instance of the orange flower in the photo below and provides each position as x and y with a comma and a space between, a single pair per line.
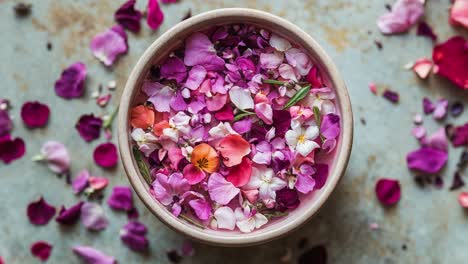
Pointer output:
142, 116
205, 158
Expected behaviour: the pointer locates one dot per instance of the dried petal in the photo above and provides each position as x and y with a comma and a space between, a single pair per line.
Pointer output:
425, 30
388, 191
71, 215
89, 127
105, 155
128, 17
41, 250
133, 234
392, 96
11, 149
121, 198
40, 212
422, 67
35, 114
72, 81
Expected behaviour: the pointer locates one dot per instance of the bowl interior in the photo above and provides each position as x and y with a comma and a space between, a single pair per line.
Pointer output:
173, 39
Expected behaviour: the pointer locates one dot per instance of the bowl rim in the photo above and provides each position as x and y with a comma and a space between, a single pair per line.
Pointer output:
139, 71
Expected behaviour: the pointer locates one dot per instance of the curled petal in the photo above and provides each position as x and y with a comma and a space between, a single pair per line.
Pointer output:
92, 216
71, 215
128, 17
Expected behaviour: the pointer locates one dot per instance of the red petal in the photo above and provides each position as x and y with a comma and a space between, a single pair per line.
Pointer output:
233, 148
451, 60
41, 250
240, 174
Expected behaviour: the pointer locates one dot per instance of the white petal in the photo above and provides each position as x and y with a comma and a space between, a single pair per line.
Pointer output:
328, 107
277, 184
225, 218
171, 133
247, 225
291, 138
241, 98
306, 147
138, 135
311, 132
270, 134
287, 72
260, 220
279, 43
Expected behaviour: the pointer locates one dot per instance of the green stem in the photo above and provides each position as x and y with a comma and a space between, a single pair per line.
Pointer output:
242, 115
108, 122
299, 95
38, 157
270, 81
144, 170
190, 220
318, 120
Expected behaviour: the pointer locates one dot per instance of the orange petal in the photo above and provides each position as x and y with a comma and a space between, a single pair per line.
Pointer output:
142, 116
233, 148
205, 151
159, 127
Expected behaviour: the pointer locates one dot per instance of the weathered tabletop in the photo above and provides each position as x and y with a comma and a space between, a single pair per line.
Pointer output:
427, 226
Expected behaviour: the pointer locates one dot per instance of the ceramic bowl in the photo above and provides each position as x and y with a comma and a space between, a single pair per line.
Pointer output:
173, 38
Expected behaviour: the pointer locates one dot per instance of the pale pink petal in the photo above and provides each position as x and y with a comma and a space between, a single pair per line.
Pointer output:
93, 256
92, 216
220, 190
459, 13
304, 183
225, 218
241, 98
109, 45
271, 60
196, 76
422, 67
299, 60
264, 112
279, 43
287, 72
404, 14
216, 102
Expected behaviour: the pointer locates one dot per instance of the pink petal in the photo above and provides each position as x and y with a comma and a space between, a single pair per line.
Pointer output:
71, 215
459, 13
72, 81
225, 218
193, 174
196, 76
80, 182
98, 183
200, 51
304, 183
35, 114
240, 175
40, 212
418, 132
388, 191
89, 127
216, 103
251, 195
287, 72
56, 155
422, 67
440, 110
160, 95
93, 256
264, 112
109, 45
321, 175
41, 250
451, 61
121, 198
427, 160
133, 234
221, 190
11, 149
330, 127
175, 156
155, 15
174, 69
92, 216
460, 136
233, 148
201, 208
271, 60
373, 88
225, 114
105, 155
463, 199
404, 14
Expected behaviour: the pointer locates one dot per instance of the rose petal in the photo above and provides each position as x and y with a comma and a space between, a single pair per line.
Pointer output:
225, 218
40, 212
233, 148
98, 183
109, 45
242, 126
241, 98
403, 15
388, 191
451, 61
55, 154
133, 234
142, 116
264, 111
279, 43
221, 190
71, 215
72, 81
105, 155
281, 121
427, 160
193, 174
93, 256
330, 126
287, 199
159, 95
240, 175
5, 123
80, 182
41, 250
438, 140
200, 51
201, 208
128, 17
321, 175
196, 76
92, 216
35, 114
155, 15
174, 69
304, 183
459, 13
121, 198
89, 127
428, 106
11, 149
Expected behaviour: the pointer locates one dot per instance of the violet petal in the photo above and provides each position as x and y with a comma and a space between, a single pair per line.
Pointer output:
425, 30
321, 175
287, 199
80, 182
40, 212
133, 234
428, 106
93, 256
71, 215
392, 96
89, 127
456, 109
428, 160
121, 198
155, 15
128, 17
107, 46
460, 136
71, 82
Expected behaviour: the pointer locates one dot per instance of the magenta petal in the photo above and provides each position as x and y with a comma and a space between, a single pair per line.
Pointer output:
428, 160
201, 208
41, 250
243, 126
5, 123
200, 51
174, 69
11, 149
225, 114
92, 216
196, 76
304, 183
178, 103
71, 215
460, 136
105, 155
321, 175
428, 106
281, 121
121, 198
109, 45
128, 17
287, 199
35, 114
155, 15
330, 127
72, 81
89, 127
40, 212
93, 256
193, 174
133, 234
80, 182
388, 191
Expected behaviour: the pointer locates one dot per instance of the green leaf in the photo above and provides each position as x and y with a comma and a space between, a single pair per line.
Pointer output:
274, 214
108, 122
299, 95
243, 114
270, 81
317, 116
142, 166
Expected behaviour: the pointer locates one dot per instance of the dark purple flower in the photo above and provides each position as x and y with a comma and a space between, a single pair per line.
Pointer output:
457, 182
425, 30
93, 256
128, 16
35, 114
121, 198
281, 121
40, 212
320, 176
89, 127
428, 106
427, 160
456, 109
315, 255
71, 215
460, 136
392, 96
41, 250
71, 82
330, 126
287, 199
11, 149
5, 123
105, 155
133, 234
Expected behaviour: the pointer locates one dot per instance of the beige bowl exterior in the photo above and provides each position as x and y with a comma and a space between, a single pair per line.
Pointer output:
173, 38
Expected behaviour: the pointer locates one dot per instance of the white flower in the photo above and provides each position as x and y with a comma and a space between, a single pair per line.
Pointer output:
147, 142
178, 124
248, 220
266, 182
302, 140
221, 130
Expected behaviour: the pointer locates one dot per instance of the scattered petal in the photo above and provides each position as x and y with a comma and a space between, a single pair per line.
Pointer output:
128, 17
425, 30
105, 155
71, 215
428, 106
459, 13
107, 46
80, 182
403, 15
121, 198
427, 160
11, 149
392, 96
92, 216
440, 110
93, 256
422, 67
89, 127
72, 81
463, 199
456, 109
41, 250
133, 234
460, 136
35, 114
40, 212
155, 15
451, 60
388, 191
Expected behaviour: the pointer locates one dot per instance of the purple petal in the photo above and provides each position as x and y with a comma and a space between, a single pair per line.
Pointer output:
403, 15
242, 126
11, 149
392, 96
155, 15
109, 45
440, 110
460, 136
425, 30
456, 109
201, 208
56, 155
281, 121
174, 69
80, 182
388, 191
200, 51
178, 103
128, 17
287, 199
330, 127
71, 215
71, 82
427, 160
92, 216
457, 182
93, 256
196, 76
133, 234
428, 106
121, 198
5, 123
105, 155
40, 212
305, 183
41, 250
321, 175
89, 127
35, 114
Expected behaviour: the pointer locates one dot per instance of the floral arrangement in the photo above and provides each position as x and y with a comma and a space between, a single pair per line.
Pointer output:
236, 128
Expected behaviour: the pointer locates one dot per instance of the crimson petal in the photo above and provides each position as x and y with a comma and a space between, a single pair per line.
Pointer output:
40, 212
41, 250
388, 191
35, 114
71, 215
105, 155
